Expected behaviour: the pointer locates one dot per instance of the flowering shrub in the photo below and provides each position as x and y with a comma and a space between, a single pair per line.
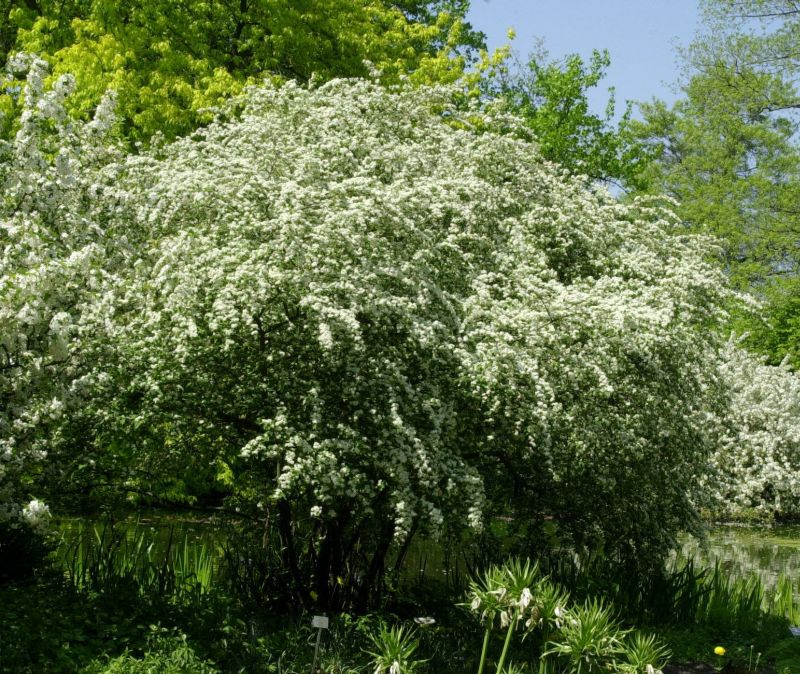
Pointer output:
372, 306
369, 307
51, 250
756, 468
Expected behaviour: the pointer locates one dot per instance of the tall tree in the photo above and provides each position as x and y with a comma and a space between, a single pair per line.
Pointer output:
728, 152
170, 61
552, 96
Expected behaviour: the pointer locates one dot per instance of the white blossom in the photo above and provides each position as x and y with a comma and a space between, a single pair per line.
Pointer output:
52, 249
756, 467
36, 513
378, 307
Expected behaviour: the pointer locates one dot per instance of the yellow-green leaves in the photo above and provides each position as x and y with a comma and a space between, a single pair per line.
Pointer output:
170, 62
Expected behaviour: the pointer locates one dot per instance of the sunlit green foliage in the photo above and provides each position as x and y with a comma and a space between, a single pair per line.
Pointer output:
728, 152
169, 62
552, 97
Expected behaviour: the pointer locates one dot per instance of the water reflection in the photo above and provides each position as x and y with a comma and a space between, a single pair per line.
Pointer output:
744, 550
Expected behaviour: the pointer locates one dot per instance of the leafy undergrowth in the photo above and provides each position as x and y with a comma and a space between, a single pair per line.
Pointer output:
48, 625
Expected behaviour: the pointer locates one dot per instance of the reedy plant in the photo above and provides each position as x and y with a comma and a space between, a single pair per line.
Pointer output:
784, 600
108, 559
644, 654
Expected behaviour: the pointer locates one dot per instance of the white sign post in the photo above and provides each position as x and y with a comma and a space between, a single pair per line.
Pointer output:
320, 622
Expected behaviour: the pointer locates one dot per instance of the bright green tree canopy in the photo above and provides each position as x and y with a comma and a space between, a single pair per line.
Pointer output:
552, 97
728, 152
170, 61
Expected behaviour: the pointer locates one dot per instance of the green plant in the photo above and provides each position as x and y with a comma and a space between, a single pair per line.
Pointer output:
551, 600
753, 666
643, 651
394, 650
166, 654
590, 640
786, 655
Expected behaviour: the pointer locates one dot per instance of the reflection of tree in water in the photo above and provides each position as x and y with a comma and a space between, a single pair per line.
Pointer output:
741, 551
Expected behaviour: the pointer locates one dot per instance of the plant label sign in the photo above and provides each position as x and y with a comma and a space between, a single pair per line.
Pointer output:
319, 622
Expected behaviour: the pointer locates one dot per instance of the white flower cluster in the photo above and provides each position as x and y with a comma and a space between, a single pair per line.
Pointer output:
50, 260
36, 514
756, 468
385, 308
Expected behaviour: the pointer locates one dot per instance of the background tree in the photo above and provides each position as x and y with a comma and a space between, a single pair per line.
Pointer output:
552, 97
169, 62
426, 11
728, 152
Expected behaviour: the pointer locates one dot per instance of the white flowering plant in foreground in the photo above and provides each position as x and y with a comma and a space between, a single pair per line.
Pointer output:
51, 260
576, 637
373, 307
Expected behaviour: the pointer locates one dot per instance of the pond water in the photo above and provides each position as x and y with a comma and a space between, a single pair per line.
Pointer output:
744, 550
162, 529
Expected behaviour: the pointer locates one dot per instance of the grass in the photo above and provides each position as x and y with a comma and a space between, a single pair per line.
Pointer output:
108, 558
117, 602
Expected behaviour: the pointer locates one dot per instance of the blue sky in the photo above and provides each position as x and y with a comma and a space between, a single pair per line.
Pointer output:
640, 35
